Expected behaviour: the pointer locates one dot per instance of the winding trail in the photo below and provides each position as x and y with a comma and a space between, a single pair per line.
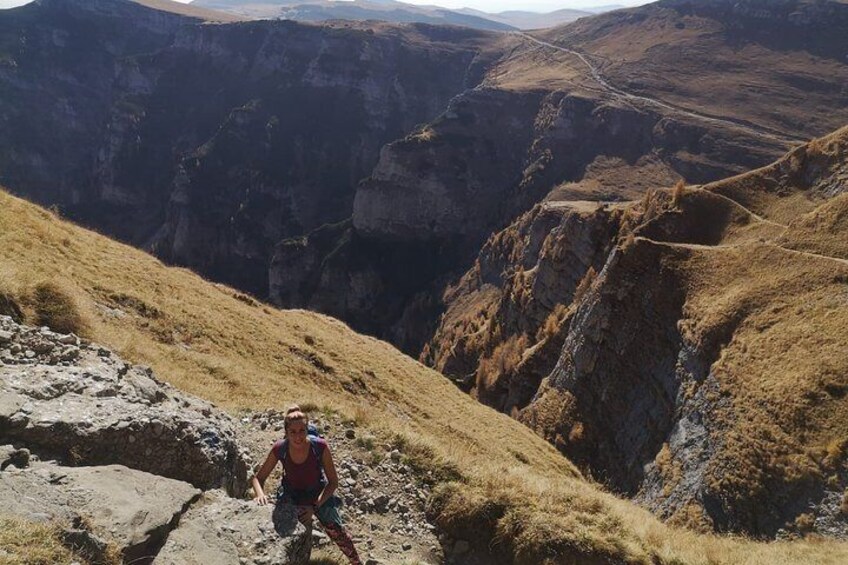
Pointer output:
754, 129
701, 247
740, 206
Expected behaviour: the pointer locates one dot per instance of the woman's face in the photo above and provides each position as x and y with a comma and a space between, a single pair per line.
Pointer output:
296, 432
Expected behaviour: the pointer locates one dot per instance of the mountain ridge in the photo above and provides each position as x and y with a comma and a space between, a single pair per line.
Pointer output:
394, 11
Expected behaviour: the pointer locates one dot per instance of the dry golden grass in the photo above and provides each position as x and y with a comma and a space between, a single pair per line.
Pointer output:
821, 231
784, 365
54, 307
240, 354
793, 185
684, 58
31, 543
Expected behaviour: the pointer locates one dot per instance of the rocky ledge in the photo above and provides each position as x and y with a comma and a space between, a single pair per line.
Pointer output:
78, 403
116, 458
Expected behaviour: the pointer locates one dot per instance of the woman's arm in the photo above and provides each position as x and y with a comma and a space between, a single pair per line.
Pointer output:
260, 477
332, 477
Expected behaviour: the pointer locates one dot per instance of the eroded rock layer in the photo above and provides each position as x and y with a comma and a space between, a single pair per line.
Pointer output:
698, 366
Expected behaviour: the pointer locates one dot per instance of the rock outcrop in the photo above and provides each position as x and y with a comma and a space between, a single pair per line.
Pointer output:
518, 291
692, 378
78, 403
104, 510
116, 458
223, 531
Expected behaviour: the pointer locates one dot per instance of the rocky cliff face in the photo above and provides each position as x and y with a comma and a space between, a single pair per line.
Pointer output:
687, 379
445, 188
210, 143
502, 330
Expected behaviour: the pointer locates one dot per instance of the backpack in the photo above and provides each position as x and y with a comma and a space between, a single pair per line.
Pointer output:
312, 430
313, 447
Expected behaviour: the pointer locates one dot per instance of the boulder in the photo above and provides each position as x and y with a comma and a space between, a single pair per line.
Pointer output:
223, 531
100, 509
82, 405
10, 455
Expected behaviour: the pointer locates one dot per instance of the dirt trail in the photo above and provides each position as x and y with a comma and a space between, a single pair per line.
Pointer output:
700, 247
738, 205
755, 129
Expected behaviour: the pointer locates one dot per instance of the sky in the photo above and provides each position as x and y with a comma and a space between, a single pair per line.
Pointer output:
486, 5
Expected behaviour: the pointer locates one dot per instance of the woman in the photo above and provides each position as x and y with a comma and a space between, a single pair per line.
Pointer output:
309, 480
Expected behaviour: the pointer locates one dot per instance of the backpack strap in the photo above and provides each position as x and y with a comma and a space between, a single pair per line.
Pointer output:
316, 446
281, 449
317, 449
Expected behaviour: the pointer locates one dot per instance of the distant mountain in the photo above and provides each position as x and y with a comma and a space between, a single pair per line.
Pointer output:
604, 8
190, 11
530, 20
357, 10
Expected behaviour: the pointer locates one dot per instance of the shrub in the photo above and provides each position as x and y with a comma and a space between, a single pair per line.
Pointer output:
805, 523
57, 309
585, 284
844, 507
835, 452
8, 307
552, 322
677, 193
628, 242
504, 359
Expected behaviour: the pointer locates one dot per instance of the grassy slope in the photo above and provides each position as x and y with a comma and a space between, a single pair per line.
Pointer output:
792, 85
770, 291
205, 339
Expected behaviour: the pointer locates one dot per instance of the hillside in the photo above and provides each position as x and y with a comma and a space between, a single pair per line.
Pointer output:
519, 19
223, 346
687, 349
773, 64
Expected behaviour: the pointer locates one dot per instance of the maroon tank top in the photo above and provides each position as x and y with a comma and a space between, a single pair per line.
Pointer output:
306, 478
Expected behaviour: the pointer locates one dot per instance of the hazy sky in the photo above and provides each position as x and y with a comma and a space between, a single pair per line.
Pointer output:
487, 5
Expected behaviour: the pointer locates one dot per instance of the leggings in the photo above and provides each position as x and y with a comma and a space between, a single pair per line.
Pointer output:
336, 532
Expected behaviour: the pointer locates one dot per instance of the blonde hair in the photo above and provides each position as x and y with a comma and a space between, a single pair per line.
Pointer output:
294, 414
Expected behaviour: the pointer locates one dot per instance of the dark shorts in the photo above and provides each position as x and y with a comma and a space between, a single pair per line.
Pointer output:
327, 514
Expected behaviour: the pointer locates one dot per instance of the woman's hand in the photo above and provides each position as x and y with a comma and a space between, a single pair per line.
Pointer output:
261, 500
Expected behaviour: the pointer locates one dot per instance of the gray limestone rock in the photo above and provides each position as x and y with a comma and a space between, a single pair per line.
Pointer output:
98, 507
223, 531
101, 410
10, 455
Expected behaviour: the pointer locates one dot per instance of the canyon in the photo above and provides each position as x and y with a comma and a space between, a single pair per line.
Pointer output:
612, 230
